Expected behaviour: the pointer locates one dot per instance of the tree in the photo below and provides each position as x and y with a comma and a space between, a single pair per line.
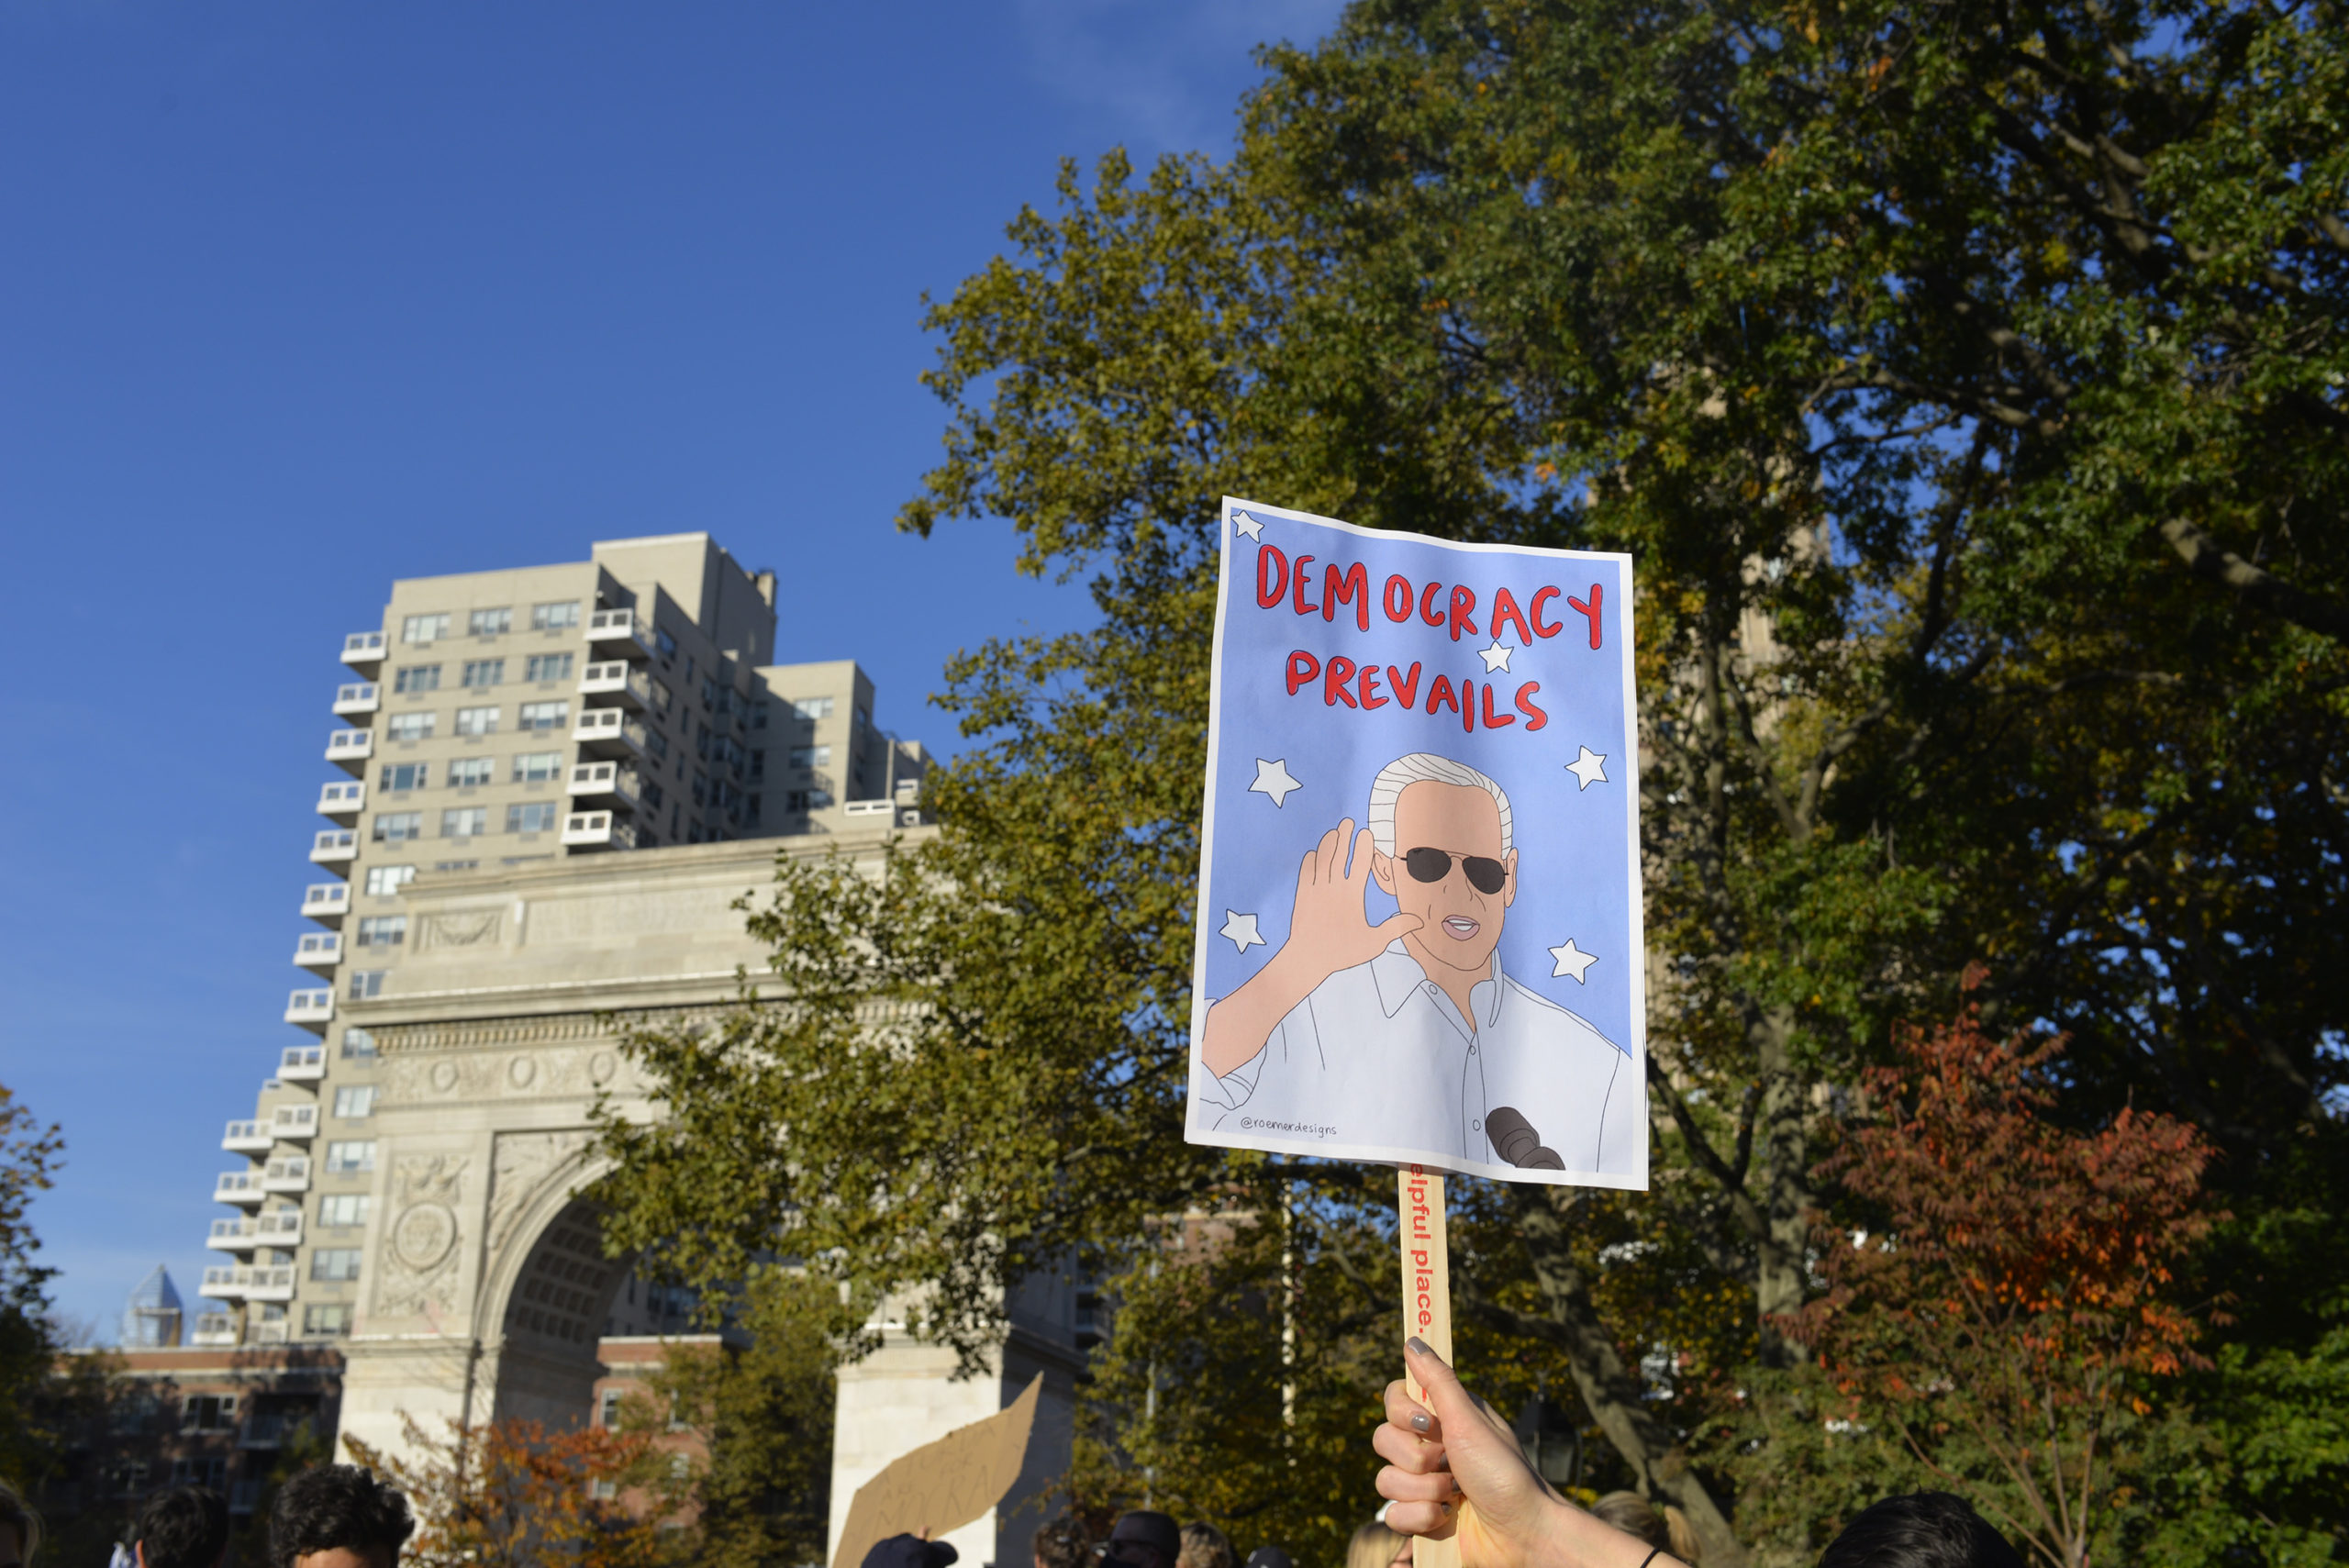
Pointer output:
513, 1494
2019, 1291
1967, 383
30, 1157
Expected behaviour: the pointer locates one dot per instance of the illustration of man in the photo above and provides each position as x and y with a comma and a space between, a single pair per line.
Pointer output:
1406, 1034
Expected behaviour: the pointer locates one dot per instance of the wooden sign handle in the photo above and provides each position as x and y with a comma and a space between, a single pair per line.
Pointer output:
1427, 1303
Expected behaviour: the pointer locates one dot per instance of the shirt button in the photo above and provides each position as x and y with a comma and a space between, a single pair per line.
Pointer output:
1476, 1127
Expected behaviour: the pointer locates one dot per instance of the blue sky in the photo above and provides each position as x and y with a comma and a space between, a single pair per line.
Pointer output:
296, 299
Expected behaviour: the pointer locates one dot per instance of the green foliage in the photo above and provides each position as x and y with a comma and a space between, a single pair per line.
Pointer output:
30, 1156
1968, 384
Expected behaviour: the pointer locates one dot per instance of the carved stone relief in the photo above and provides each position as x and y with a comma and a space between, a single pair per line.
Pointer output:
417, 1274
522, 1165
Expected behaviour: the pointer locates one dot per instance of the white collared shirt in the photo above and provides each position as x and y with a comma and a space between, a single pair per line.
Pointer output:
1377, 1055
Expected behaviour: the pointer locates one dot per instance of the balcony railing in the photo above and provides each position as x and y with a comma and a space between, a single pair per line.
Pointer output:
311, 1009
294, 1123
608, 731
356, 699
363, 647
214, 1329
619, 631
596, 830
246, 1138
291, 1174
270, 1331
598, 780
342, 800
319, 949
614, 679
302, 1064
334, 847
326, 902
350, 748
237, 1186
249, 1282
279, 1227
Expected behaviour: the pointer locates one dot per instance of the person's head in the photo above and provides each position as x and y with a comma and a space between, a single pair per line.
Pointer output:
1375, 1546
1629, 1512
1204, 1546
19, 1530
1442, 836
1920, 1529
1062, 1544
910, 1551
1144, 1540
1269, 1557
182, 1527
337, 1516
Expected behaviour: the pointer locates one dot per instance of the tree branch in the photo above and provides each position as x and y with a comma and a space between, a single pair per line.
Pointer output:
2262, 590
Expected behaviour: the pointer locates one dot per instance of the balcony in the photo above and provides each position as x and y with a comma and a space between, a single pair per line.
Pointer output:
334, 847
280, 1227
214, 1329
249, 1282
239, 1187
615, 681
350, 748
270, 1331
596, 830
291, 1174
302, 1064
609, 732
297, 1124
342, 802
314, 1010
364, 651
604, 780
318, 950
620, 632
326, 902
357, 699
246, 1138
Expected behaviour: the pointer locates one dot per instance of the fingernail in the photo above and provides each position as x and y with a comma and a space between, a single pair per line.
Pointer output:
1420, 1423
1421, 1345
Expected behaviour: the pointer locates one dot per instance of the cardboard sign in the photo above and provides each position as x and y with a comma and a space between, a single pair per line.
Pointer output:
941, 1486
1420, 919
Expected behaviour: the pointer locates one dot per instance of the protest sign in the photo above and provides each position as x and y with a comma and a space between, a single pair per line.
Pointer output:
941, 1486
1420, 924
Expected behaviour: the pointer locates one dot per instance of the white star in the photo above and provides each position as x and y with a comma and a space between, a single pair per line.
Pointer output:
1570, 959
1272, 779
1496, 657
1241, 930
1587, 769
1243, 523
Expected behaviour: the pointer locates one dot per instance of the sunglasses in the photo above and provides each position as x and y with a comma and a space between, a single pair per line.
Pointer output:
1484, 875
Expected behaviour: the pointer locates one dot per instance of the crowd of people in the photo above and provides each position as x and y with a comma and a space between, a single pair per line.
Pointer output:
1454, 1470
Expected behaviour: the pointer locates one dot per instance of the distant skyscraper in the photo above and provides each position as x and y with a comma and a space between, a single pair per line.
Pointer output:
622, 703
150, 1318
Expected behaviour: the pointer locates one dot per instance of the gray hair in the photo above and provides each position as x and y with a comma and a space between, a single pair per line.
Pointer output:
1423, 767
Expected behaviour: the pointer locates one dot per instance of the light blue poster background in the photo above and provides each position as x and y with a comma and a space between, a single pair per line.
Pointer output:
1575, 842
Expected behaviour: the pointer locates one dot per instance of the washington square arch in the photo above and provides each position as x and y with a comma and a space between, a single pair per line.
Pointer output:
487, 1289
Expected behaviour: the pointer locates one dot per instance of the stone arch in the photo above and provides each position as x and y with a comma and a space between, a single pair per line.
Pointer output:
546, 1285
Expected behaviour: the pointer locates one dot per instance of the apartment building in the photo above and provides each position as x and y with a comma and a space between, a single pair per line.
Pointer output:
622, 704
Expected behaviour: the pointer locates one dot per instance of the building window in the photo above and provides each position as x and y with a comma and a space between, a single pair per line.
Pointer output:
554, 618
467, 771
550, 667
328, 1319
208, 1412
811, 756
384, 881
482, 672
456, 865
608, 1409
410, 727
811, 707
355, 1103
424, 628
751, 811
545, 715
366, 985
477, 721
416, 678
661, 697
668, 646
757, 715
359, 1043
490, 622
656, 743
212, 1472
335, 1263
701, 787
465, 821
808, 800
345, 1158
536, 817
537, 767
395, 827
404, 775
757, 765
652, 796
382, 930
339, 1211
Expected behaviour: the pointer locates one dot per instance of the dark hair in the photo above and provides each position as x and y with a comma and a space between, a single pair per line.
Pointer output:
336, 1504
1634, 1515
1063, 1542
17, 1518
184, 1527
1921, 1530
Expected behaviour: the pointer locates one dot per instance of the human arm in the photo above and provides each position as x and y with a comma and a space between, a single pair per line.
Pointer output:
1328, 931
1456, 1471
